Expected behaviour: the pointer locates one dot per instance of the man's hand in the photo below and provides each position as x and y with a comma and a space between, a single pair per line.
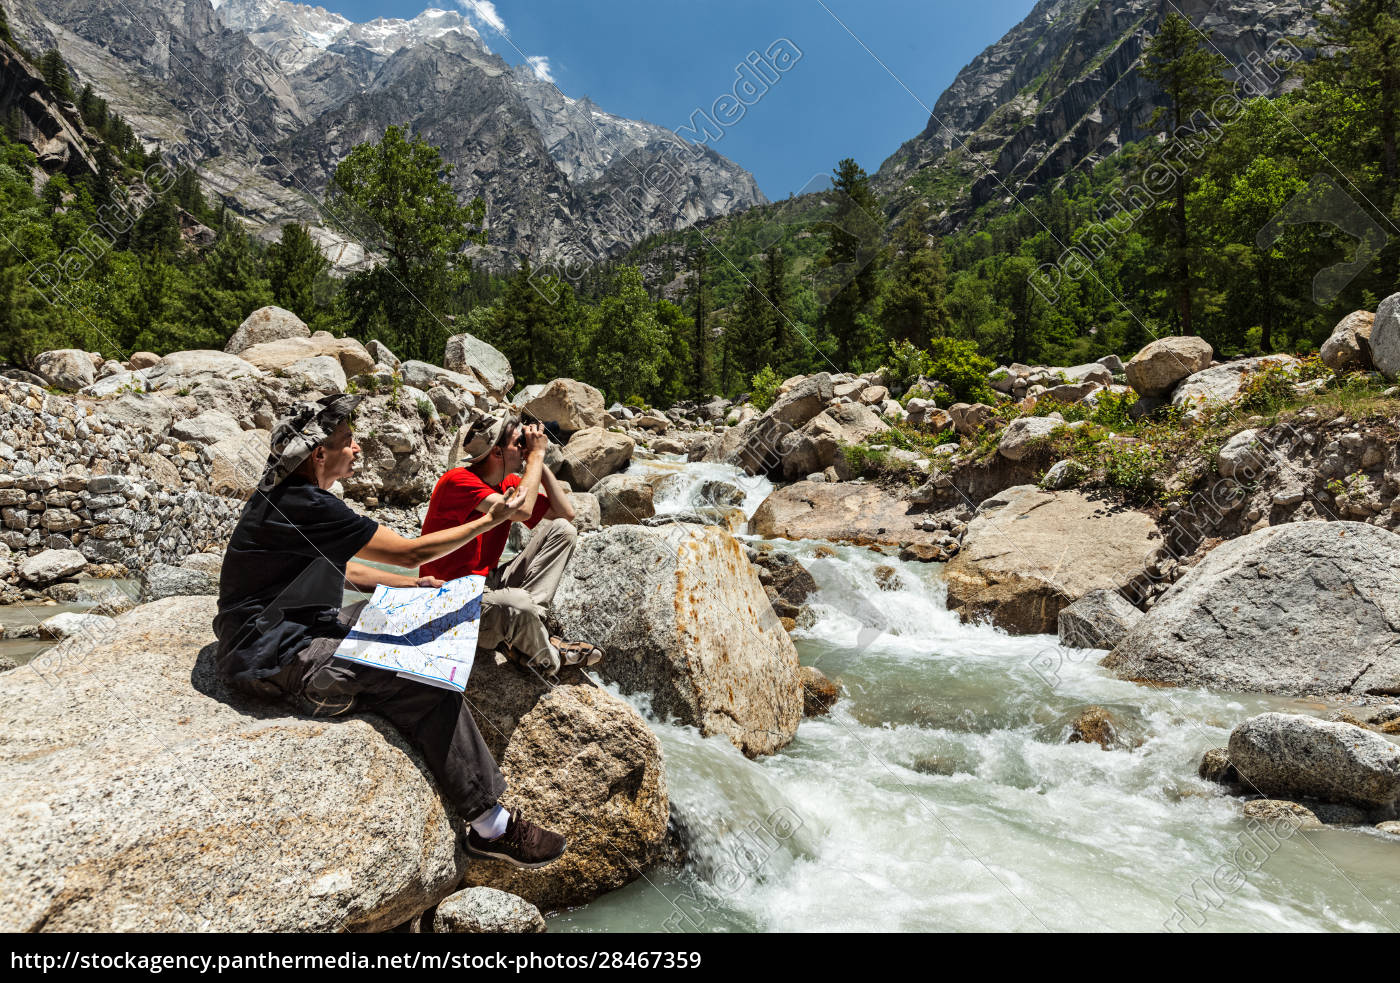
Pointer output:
501, 510
536, 440
429, 582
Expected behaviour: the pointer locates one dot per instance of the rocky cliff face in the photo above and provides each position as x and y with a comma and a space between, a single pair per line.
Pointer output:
267, 96
1062, 90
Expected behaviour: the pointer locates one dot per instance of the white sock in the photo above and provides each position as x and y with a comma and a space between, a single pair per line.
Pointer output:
491, 823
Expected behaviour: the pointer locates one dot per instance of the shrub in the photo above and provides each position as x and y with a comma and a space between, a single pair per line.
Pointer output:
765, 388
958, 366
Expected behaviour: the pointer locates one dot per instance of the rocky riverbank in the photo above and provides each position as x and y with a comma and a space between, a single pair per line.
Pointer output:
1219, 525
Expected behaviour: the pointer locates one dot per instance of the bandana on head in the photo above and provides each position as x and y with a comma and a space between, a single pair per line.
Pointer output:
306, 426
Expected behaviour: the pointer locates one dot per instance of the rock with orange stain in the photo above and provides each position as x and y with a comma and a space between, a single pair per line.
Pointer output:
683, 618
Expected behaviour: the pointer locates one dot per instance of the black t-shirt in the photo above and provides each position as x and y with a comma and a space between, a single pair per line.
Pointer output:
283, 578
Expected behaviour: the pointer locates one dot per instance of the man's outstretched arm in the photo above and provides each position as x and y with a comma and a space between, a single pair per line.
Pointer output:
366, 579
387, 546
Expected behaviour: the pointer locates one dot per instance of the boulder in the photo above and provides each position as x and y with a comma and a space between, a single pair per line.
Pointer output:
818, 692
425, 376
266, 324
143, 360
683, 618
323, 372
50, 565
236, 463
968, 419
1242, 456
864, 514
1088, 372
1028, 554
382, 356
469, 355
1072, 392
210, 427
803, 401
1215, 766
1113, 363
280, 355
69, 369
185, 370
1302, 608
1165, 362
210, 563
588, 516
593, 454
573, 405
162, 580
580, 761
484, 910
1024, 434
856, 421
72, 624
624, 499
652, 422
1098, 620
1220, 384
1348, 349
242, 829
1385, 337
1291, 756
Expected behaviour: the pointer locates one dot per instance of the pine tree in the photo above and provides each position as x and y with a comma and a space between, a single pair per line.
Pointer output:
914, 307
701, 345
1189, 73
775, 287
295, 266
55, 72
1360, 48
852, 236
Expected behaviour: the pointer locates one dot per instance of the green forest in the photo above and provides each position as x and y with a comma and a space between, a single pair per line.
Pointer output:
838, 280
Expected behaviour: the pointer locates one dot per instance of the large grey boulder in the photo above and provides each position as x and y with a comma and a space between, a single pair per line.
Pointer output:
1303, 608
1028, 554
593, 454
1098, 620
582, 762
425, 376
323, 372
266, 324
144, 412
1220, 384
69, 369
279, 355
572, 404
1288, 755
1243, 456
1024, 434
75, 624
1165, 362
209, 428
185, 370
803, 401
50, 565
624, 499
142, 795
1348, 348
683, 617
485, 910
1385, 337
470, 355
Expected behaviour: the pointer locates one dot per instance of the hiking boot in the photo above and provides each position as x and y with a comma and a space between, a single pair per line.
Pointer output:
577, 653
523, 844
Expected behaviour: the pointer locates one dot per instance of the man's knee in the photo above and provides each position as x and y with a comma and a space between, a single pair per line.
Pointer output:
563, 529
509, 601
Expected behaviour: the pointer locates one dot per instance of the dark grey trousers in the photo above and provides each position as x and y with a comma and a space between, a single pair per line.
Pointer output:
436, 721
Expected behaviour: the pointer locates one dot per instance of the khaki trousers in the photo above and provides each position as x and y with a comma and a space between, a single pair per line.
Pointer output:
518, 595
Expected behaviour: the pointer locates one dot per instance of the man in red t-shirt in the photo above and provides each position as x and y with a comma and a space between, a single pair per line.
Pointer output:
483, 467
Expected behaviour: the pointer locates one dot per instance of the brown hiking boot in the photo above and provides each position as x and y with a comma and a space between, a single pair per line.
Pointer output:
523, 844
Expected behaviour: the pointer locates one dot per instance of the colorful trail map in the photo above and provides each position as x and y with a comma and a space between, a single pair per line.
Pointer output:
425, 633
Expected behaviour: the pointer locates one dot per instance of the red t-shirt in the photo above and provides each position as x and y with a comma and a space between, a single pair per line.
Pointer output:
455, 500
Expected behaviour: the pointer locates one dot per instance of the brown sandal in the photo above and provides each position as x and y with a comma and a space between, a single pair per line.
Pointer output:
577, 653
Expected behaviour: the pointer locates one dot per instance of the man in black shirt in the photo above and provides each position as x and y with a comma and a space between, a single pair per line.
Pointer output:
280, 620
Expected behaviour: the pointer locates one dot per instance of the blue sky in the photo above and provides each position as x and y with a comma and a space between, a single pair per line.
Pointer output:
661, 59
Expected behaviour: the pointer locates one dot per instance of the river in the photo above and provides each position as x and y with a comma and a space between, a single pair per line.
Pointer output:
940, 794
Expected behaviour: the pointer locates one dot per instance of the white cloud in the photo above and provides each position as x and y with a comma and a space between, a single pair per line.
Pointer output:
540, 65
484, 11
